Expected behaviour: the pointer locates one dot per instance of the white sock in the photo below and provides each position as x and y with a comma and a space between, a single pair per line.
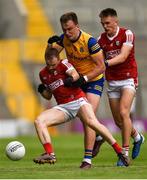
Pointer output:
126, 149
137, 138
99, 138
87, 160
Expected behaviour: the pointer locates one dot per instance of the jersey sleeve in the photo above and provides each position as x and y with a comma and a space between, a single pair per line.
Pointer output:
66, 65
93, 46
129, 38
98, 39
60, 43
41, 77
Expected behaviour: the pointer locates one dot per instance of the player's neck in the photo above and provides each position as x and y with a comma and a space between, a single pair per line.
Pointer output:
114, 33
77, 37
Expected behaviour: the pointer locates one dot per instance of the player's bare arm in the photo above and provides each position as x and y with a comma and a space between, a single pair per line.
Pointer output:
98, 59
125, 51
73, 73
47, 94
73, 76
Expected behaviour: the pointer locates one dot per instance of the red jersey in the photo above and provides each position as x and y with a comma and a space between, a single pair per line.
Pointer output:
54, 82
112, 47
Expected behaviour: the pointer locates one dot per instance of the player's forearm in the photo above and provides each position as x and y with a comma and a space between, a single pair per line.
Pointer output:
117, 60
96, 72
46, 94
74, 74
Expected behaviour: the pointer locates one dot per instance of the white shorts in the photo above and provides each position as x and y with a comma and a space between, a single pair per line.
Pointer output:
71, 109
115, 87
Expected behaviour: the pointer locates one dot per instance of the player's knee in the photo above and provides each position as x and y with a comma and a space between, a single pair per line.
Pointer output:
39, 122
91, 123
124, 113
87, 121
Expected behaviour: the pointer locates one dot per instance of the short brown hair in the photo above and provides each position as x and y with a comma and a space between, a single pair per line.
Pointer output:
108, 12
50, 53
69, 16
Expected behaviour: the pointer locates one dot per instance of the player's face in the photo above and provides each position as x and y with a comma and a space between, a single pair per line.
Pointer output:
52, 64
71, 30
110, 25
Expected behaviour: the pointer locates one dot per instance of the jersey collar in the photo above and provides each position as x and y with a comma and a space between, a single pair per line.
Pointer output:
111, 38
77, 38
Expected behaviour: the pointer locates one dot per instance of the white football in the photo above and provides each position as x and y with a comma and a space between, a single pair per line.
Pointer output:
15, 150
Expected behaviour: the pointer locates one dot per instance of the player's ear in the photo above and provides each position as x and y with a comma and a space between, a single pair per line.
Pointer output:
116, 20
78, 26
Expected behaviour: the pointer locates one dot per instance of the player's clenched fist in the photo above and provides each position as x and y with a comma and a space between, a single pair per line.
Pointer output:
53, 39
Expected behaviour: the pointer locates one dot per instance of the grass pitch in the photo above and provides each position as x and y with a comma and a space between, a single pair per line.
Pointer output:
69, 152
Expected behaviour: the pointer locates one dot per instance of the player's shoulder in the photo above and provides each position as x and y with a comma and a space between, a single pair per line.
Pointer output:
43, 71
86, 36
127, 35
126, 31
102, 36
65, 63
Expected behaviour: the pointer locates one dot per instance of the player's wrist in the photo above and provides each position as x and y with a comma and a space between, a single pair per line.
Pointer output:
49, 44
106, 63
86, 78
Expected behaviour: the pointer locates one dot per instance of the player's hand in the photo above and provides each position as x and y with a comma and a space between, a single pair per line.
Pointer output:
68, 82
41, 88
53, 39
80, 81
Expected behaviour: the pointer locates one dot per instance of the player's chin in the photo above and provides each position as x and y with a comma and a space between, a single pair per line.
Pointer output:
109, 32
70, 38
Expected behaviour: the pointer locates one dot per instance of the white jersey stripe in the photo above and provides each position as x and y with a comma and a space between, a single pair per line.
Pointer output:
129, 37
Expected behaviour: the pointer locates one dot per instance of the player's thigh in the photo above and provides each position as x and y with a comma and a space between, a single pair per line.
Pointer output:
52, 117
86, 114
94, 100
115, 109
126, 100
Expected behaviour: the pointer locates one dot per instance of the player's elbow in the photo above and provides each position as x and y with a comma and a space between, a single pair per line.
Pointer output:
123, 58
46, 94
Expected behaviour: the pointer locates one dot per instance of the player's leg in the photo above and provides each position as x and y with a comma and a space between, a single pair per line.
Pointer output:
138, 138
120, 108
89, 134
46, 119
94, 101
126, 100
93, 92
114, 106
115, 109
88, 116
